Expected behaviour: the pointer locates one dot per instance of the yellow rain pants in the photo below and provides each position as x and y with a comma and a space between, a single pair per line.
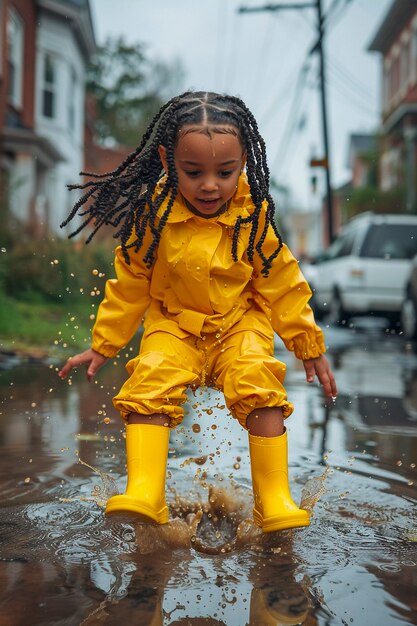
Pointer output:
240, 363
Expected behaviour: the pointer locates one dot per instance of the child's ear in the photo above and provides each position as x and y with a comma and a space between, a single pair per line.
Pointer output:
163, 156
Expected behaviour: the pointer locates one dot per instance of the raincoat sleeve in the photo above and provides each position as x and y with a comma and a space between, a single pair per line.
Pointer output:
125, 302
285, 293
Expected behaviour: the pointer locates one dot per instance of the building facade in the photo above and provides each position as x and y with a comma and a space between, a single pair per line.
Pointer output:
45, 46
396, 41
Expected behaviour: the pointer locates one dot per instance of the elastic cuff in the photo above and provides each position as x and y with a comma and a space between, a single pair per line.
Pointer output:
308, 349
108, 352
125, 409
286, 407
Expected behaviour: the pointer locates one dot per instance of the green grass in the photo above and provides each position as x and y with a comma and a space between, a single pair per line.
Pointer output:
51, 327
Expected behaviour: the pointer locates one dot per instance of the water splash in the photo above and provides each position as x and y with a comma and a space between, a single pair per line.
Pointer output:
107, 489
219, 524
313, 490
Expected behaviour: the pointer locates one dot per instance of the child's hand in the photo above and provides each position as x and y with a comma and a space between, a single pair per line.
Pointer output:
90, 357
321, 367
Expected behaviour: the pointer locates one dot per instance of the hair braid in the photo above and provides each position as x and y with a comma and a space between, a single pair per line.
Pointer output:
126, 197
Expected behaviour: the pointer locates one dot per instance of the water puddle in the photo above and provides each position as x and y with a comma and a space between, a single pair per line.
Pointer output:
351, 465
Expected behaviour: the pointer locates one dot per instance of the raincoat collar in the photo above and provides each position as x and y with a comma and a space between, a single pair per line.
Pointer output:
241, 205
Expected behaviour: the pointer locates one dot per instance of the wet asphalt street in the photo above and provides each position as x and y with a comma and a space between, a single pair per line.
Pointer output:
352, 464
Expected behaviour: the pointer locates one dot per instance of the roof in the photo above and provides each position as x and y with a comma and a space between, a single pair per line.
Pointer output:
360, 143
25, 139
396, 18
343, 187
78, 13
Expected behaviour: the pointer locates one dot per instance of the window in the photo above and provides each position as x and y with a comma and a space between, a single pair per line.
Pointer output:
395, 77
414, 54
386, 88
49, 87
404, 65
342, 246
390, 241
72, 99
15, 57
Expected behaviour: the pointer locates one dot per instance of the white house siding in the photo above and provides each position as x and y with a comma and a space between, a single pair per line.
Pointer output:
55, 38
22, 186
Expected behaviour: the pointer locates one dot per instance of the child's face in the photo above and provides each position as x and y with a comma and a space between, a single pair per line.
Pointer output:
208, 167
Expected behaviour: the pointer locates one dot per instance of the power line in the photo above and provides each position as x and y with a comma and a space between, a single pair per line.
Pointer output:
293, 117
264, 51
331, 16
233, 54
278, 100
340, 85
288, 48
351, 78
319, 48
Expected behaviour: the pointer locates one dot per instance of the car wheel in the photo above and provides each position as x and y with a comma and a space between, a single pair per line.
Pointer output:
409, 318
338, 314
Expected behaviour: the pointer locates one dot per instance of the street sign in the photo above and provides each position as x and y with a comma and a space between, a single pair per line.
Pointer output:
319, 163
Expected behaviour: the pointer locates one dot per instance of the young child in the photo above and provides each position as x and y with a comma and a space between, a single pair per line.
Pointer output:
202, 265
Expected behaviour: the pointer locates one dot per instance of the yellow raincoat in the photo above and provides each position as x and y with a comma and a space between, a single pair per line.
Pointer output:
207, 319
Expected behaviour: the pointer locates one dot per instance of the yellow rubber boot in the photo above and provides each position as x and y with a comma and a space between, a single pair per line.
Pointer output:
147, 453
274, 508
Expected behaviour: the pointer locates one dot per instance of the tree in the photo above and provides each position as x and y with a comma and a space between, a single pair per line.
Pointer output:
128, 89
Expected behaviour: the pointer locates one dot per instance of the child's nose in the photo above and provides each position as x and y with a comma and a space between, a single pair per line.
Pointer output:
209, 183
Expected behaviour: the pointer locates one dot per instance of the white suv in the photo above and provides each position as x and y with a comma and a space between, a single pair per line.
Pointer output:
365, 269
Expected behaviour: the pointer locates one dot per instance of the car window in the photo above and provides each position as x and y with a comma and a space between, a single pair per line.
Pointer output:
342, 246
347, 243
390, 241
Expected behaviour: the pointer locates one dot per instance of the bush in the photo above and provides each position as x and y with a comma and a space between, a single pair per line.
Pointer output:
52, 326
55, 270
373, 199
50, 291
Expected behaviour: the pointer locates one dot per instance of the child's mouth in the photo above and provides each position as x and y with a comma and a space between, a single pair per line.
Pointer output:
208, 203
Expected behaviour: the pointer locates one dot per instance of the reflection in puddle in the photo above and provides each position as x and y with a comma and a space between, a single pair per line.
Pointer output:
352, 465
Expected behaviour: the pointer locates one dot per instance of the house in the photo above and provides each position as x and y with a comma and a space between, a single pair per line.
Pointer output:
361, 159
45, 46
396, 41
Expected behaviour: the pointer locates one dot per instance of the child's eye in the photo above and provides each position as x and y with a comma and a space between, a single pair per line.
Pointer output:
193, 173
226, 173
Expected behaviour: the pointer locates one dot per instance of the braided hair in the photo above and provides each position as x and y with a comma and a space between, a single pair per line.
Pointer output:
125, 197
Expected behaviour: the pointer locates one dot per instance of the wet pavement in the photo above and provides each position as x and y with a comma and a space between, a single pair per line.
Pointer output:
352, 463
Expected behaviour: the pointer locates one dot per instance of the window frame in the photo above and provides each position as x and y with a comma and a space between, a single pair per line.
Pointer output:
15, 52
49, 87
72, 100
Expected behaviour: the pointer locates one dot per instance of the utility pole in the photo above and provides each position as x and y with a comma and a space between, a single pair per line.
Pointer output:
319, 48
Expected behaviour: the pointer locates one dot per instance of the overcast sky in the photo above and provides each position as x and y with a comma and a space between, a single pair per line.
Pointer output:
259, 57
